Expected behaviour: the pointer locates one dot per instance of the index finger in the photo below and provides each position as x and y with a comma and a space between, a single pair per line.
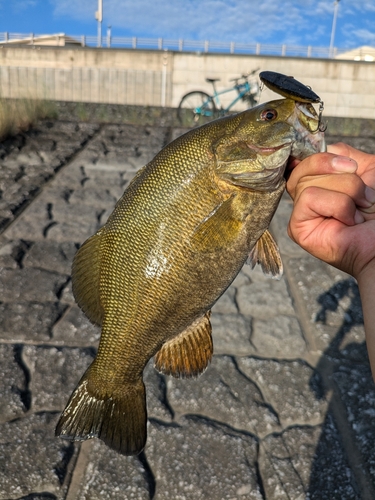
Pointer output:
319, 164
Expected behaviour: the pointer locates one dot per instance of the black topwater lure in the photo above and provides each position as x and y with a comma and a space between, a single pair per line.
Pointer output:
289, 87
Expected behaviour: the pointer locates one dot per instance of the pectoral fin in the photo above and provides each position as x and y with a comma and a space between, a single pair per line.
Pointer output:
218, 230
188, 354
266, 253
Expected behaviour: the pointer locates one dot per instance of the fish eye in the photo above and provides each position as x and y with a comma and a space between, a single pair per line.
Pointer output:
268, 115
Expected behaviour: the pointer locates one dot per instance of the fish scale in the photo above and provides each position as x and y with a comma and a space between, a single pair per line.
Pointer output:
174, 243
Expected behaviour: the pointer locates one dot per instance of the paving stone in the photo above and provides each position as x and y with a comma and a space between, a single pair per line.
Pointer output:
279, 226
92, 196
29, 227
29, 166
293, 388
12, 384
306, 463
29, 321
5, 218
71, 178
223, 394
241, 279
357, 391
353, 351
137, 144
231, 334
201, 460
51, 256
68, 224
32, 459
156, 392
265, 299
12, 252
109, 475
334, 302
54, 373
78, 229
177, 132
226, 304
66, 295
280, 336
75, 328
114, 173
132, 141
20, 285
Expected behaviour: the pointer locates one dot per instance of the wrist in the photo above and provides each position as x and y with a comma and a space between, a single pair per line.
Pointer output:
366, 285
366, 278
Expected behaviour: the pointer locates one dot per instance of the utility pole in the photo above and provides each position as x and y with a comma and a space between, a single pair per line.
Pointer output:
99, 18
335, 11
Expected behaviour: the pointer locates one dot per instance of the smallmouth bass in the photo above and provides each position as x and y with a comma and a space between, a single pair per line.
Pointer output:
175, 241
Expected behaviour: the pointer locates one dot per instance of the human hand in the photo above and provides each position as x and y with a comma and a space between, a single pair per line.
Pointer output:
334, 207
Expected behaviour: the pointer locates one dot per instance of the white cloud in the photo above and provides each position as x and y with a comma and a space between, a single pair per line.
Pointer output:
291, 21
365, 36
20, 5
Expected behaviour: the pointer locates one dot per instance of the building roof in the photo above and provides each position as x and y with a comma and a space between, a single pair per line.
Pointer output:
364, 53
58, 39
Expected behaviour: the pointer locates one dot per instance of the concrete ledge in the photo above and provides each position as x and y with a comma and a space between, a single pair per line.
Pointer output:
157, 116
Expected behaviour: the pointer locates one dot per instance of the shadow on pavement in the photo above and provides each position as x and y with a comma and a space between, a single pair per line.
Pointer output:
346, 433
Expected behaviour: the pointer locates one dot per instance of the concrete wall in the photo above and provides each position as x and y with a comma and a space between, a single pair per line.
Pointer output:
160, 78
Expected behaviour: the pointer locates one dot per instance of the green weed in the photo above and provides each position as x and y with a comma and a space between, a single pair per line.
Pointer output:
17, 115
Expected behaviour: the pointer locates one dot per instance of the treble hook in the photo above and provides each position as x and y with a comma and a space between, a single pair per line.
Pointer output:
322, 127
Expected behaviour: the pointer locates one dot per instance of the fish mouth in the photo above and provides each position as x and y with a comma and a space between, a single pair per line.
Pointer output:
320, 146
265, 150
309, 139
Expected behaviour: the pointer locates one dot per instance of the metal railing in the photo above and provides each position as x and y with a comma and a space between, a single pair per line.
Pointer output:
173, 45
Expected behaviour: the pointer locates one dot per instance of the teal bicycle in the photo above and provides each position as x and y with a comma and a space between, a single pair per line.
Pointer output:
198, 107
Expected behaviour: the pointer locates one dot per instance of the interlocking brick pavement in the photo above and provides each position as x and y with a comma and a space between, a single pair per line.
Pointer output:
286, 408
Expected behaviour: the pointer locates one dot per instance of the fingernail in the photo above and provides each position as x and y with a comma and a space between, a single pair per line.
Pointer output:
358, 217
344, 164
370, 194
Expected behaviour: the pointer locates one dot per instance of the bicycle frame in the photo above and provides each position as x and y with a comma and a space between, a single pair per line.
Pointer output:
241, 93
204, 105
242, 89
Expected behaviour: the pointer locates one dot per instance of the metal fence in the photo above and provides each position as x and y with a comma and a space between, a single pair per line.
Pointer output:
114, 86
177, 45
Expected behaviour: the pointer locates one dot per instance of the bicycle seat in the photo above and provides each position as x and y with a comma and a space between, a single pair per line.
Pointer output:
212, 80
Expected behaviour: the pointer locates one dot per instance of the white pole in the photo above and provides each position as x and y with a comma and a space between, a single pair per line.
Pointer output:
164, 79
99, 17
109, 33
336, 8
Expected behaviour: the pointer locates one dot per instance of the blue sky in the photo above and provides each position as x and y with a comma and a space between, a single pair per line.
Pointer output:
293, 22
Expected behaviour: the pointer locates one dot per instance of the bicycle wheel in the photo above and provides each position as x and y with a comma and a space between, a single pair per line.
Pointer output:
196, 108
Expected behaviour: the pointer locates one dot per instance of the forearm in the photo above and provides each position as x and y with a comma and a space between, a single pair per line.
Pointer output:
366, 284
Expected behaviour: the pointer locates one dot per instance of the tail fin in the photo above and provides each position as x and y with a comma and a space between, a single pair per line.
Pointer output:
118, 420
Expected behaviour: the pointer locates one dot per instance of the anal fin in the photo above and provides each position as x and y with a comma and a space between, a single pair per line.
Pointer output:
188, 354
266, 253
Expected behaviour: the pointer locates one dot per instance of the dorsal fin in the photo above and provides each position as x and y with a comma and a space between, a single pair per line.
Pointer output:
85, 279
266, 253
188, 354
